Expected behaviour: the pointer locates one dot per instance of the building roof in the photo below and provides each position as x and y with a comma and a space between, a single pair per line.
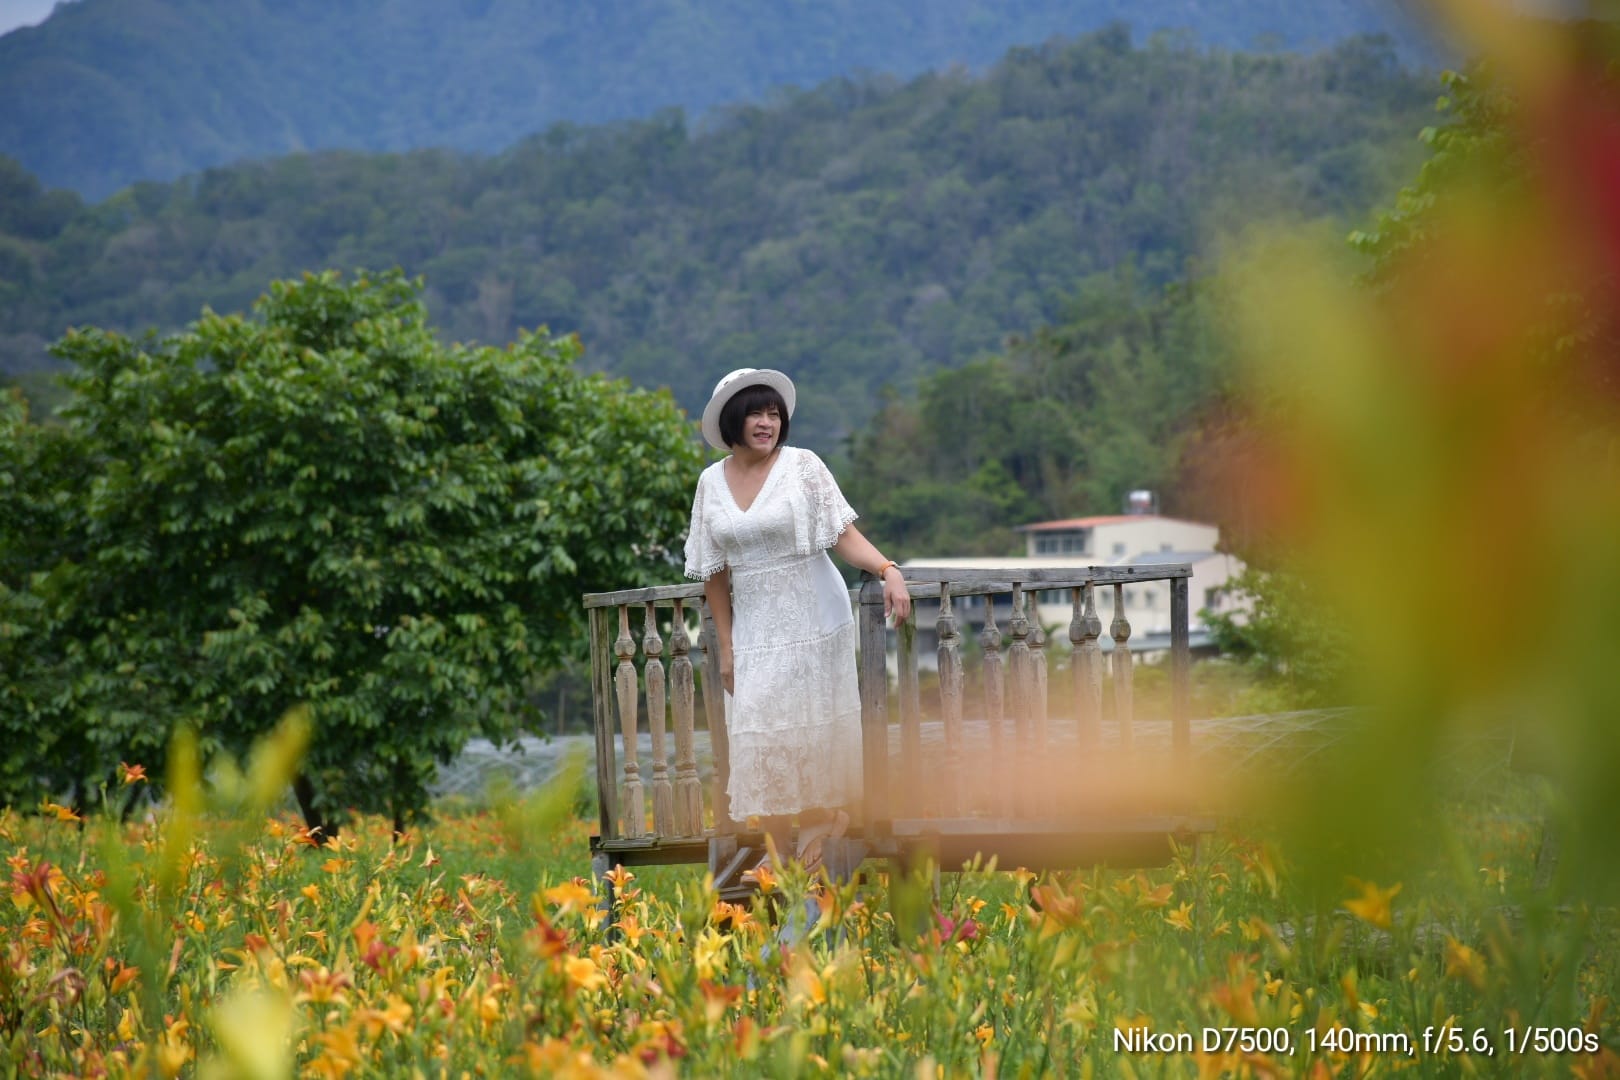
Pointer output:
1069, 524
1163, 558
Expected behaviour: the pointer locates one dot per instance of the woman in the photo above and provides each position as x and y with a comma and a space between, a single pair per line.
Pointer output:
762, 521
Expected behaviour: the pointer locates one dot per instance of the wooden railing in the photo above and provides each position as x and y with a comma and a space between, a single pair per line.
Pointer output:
1027, 719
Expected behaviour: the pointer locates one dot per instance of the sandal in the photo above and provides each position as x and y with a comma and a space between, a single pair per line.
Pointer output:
810, 839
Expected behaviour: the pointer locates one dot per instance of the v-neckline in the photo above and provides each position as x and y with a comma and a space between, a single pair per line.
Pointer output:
764, 485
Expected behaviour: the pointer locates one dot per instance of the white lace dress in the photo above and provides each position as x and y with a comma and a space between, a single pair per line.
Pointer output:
794, 723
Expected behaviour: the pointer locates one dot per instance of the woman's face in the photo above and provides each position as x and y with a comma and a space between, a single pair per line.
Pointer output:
762, 428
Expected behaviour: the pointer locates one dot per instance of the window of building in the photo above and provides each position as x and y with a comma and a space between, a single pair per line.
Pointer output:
1064, 543
1119, 549
1212, 599
1130, 597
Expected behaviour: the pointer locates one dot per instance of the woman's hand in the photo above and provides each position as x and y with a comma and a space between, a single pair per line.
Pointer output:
896, 600
717, 598
858, 551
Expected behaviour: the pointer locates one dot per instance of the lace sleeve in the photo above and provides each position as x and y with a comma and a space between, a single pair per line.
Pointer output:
704, 558
830, 513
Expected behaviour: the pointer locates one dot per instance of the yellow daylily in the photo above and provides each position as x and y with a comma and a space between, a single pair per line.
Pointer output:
1373, 905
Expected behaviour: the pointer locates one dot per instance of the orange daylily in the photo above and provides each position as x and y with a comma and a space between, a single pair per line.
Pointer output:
61, 813
122, 977
1057, 908
583, 974
322, 987
717, 998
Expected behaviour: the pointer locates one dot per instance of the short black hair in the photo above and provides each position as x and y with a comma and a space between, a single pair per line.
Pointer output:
751, 399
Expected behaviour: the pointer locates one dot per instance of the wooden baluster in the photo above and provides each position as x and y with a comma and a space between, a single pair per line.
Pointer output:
1018, 693
607, 772
714, 714
1084, 630
1121, 630
633, 805
994, 705
1040, 753
873, 670
663, 795
911, 766
688, 790
950, 701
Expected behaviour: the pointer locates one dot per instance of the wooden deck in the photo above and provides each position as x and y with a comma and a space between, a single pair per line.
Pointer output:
1038, 720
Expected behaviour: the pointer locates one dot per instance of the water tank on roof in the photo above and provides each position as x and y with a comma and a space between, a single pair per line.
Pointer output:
1141, 501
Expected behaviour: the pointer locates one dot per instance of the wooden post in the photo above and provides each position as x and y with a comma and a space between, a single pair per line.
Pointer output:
1037, 698
663, 795
909, 798
950, 701
688, 790
874, 679
1121, 630
1180, 675
994, 705
714, 714
1086, 665
634, 805
1019, 693
607, 772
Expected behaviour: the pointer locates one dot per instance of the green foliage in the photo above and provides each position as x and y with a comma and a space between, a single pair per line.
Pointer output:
319, 505
1284, 637
103, 95
1064, 422
1473, 148
859, 235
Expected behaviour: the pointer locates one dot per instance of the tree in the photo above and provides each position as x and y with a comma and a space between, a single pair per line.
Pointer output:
1064, 422
321, 505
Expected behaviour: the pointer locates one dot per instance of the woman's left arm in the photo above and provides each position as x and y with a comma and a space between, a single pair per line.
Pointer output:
858, 551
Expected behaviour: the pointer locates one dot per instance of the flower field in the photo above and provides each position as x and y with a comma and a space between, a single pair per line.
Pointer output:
213, 937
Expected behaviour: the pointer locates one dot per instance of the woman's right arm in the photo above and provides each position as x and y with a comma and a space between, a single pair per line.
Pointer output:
717, 591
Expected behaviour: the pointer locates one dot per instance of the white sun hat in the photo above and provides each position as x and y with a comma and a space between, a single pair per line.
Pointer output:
727, 387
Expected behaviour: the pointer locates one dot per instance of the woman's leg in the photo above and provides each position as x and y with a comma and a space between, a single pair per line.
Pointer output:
815, 826
778, 830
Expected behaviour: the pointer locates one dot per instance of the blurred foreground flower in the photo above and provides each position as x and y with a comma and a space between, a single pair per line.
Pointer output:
1436, 454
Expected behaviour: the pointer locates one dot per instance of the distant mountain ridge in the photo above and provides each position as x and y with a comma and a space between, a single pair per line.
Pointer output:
108, 92
859, 235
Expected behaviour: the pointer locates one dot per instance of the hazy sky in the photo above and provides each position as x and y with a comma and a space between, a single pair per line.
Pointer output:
15, 13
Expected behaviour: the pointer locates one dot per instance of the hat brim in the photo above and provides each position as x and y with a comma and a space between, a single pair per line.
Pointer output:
729, 388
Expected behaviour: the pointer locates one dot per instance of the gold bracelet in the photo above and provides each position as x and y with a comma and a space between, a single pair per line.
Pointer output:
884, 569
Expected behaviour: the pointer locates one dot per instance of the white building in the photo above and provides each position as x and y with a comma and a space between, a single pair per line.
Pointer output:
1135, 539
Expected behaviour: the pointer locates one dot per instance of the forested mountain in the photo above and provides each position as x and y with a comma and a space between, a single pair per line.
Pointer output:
857, 235
108, 92
1064, 421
